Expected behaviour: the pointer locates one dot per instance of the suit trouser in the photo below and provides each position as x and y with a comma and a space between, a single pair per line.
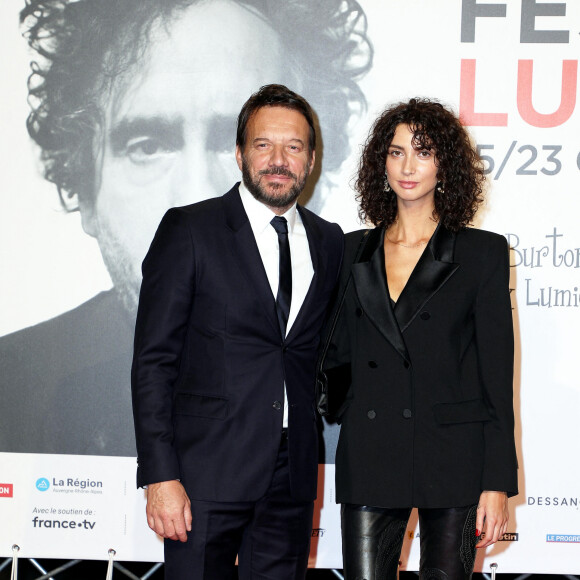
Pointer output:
271, 536
372, 539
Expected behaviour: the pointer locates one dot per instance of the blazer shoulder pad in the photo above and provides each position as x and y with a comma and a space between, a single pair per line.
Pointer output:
484, 237
479, 247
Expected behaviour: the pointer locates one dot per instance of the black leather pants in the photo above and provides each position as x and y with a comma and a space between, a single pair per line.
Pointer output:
372, 539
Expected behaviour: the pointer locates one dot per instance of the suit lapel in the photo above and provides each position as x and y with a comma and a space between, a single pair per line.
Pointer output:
371, 288
434, 268
245, 251
318, 257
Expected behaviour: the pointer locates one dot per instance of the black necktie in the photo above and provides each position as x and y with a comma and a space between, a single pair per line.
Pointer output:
284, 296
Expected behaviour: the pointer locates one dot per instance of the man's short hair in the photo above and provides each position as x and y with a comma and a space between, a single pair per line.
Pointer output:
275, 96
84, 45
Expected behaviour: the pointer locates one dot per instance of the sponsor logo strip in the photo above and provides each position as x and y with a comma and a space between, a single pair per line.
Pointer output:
6, 489
564, 538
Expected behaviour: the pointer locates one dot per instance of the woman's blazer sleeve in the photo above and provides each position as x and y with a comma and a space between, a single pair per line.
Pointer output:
495, 345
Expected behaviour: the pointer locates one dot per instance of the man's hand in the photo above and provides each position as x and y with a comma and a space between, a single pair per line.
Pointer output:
169, 510
492, 517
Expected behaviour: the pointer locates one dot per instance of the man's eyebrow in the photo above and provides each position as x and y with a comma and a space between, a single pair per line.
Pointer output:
294, 140
166, 129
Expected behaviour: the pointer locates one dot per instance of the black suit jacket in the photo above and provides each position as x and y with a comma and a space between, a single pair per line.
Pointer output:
209, 363
428, 420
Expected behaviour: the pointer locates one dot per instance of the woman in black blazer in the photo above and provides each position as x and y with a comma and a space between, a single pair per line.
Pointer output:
421, 341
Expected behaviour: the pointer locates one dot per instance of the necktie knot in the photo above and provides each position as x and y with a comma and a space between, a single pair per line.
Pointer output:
280, 224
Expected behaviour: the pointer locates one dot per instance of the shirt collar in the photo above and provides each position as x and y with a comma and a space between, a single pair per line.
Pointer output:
261, 215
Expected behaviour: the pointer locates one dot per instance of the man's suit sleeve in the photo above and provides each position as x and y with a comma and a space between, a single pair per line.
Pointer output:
495, 346
162, 319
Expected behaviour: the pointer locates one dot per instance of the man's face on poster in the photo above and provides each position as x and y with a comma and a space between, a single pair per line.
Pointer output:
169, 130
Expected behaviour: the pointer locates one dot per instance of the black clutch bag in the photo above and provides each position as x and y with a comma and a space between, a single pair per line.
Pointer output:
331, 390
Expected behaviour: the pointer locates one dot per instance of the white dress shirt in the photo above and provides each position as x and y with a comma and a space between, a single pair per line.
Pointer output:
266, 237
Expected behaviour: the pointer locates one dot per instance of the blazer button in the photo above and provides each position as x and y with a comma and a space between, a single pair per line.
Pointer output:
371, 414
425, 316
373, 364
277, 405
407, 413
358, 312
406, 364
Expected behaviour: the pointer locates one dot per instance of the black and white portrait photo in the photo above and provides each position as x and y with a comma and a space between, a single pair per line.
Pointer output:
133, 111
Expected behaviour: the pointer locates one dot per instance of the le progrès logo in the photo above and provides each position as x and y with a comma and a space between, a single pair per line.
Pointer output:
563, 538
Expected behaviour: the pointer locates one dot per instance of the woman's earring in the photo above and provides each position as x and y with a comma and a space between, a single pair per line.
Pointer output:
440, 187
387, 187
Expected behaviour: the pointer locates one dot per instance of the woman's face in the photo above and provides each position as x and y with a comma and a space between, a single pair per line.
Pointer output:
411, 172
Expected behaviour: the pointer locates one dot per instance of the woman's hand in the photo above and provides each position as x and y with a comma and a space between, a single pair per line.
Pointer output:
492, 517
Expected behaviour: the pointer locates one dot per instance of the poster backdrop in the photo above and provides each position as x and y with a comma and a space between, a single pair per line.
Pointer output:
68, 279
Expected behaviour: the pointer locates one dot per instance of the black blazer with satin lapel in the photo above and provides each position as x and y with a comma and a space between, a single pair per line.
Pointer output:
209, 363
428, 420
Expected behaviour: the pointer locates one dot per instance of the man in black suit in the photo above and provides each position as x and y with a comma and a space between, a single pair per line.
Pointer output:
234, 293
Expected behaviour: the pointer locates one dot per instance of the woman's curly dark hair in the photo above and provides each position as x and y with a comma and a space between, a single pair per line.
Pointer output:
85, 45
460, 169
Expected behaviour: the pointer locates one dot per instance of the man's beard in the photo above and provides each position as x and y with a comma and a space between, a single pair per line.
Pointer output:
273, 200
